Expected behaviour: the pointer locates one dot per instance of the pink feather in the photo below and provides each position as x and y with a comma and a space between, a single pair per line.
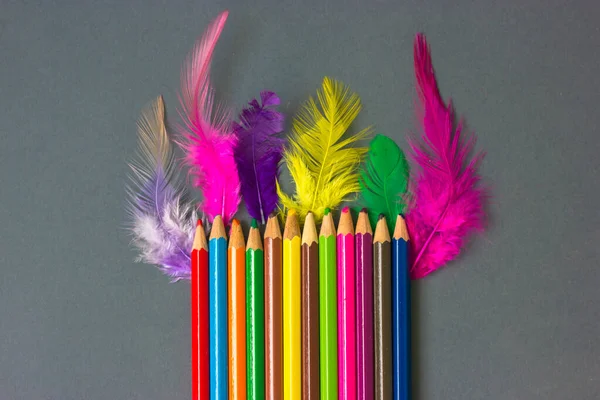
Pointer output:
208, 139
447, 201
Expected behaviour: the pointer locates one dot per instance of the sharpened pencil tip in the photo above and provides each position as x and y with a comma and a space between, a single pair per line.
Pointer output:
381, 216
327, 211
364, 209
199, 223
254, 224
345, 209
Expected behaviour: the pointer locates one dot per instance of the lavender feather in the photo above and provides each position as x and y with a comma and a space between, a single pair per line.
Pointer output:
258, 154
161, 217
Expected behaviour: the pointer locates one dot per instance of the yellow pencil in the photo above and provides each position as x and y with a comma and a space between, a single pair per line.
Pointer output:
292, 312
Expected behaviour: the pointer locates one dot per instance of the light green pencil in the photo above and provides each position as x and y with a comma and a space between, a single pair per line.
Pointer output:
327, 309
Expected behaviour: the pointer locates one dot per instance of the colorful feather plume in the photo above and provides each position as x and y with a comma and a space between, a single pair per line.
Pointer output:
384, 180
448, 202
208, 140
321, 161
163, 221
258, 154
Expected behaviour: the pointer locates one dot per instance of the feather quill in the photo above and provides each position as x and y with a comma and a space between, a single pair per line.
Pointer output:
162, 220
320, 157
448, 202
208, 140
258, 154
383, 180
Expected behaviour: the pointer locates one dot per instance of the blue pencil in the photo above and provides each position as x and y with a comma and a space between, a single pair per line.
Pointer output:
400, 312
217, 293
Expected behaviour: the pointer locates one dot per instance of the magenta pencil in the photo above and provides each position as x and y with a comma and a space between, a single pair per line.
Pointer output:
346, 308
364, 307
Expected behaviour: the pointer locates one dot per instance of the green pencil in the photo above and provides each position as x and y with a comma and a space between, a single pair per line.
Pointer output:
255, 316
328, 309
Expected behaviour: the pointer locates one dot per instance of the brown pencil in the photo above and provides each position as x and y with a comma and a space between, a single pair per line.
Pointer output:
382, 296
273, 310
310, 310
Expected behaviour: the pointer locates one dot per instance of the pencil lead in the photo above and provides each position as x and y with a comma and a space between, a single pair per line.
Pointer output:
345, 209
327, 211
254, 224
381, 216
364, 209
199, 223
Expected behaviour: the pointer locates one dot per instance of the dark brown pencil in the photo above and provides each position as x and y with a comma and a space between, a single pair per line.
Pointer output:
310, 310
382, 296
273, 311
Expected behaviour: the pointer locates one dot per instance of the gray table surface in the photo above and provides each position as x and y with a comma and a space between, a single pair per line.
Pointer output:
515, 318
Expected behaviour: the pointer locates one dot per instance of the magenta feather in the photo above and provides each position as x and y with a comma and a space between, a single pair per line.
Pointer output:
447, 202
208, 140
258, 154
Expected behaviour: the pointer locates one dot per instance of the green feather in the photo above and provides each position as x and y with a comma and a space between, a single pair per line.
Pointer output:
384, 180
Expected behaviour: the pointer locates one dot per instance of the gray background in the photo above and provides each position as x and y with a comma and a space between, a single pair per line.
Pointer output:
515, 318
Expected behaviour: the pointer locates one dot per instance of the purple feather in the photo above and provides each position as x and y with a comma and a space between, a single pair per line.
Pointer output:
161, 217
258, 154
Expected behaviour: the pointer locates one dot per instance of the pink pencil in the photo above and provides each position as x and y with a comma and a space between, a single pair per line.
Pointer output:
346, 294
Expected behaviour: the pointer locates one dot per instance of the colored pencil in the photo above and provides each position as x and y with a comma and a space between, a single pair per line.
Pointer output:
346, 295
217, 290
292, 313
327, 309
310, 309
401, 311
255, 316
199, 297
273, 311
382, 328
364, 306
236, 255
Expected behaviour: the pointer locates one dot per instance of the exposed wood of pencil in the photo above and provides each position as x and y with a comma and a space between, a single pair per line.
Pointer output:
292, 312
328, 310
382, 291
364, 306
401, 312
273, 311
310, 310
254, 240
255, 316
401, 230
217, 263
200, 315
345, 226
237, 312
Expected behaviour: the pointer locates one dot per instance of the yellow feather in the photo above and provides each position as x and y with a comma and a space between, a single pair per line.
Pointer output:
320, 159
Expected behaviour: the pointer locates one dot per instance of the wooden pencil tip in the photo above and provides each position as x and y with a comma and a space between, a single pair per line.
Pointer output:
346, 209
254, 224
199, 223
401, 230
381, 216
292, 228
363, 210
327, 211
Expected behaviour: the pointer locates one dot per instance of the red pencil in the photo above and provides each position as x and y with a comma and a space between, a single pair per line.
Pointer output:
200, 344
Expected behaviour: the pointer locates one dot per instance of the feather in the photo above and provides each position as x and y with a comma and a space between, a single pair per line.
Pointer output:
384, 180
258, 154
320, 159
448, 201
162, 220
207, 138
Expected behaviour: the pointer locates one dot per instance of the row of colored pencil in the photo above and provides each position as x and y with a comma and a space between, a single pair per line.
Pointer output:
310, 316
